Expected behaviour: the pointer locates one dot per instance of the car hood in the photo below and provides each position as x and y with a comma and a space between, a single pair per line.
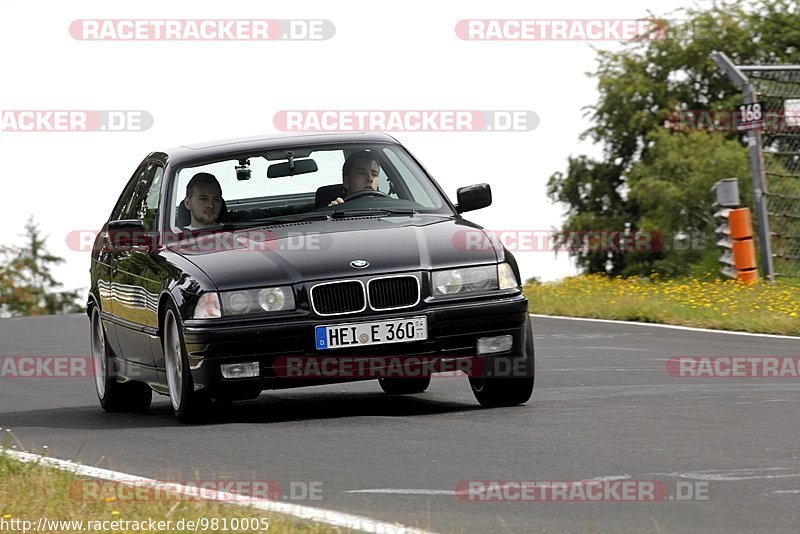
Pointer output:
319, 250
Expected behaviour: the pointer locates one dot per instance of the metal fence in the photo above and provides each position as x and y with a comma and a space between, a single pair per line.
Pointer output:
775, 160
779, 90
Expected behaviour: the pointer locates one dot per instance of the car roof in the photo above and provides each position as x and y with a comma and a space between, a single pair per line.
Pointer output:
196, 151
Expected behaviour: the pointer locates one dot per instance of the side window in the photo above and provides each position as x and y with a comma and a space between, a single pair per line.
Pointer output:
125, 198
417, 190
144, 202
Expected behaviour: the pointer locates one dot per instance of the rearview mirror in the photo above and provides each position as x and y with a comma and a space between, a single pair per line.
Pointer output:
291, 168
473, 197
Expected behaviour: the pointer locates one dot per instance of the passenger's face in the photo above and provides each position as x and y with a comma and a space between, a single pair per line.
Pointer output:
204, 205
363, 176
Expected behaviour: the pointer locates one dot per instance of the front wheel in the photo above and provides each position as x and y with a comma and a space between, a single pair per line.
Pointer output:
494, 392
188, 405
404, 386
114, 396
507, 391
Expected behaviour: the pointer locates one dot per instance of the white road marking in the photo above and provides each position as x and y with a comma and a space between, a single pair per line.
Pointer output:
595, 348
393, 491
578, 335
415, 491
761, 401
731, 475
642, 369
609, 478
671, 326
319, 515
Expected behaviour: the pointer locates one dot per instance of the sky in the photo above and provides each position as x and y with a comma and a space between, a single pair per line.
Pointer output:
381, 56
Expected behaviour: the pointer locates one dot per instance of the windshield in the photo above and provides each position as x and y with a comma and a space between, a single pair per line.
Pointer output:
304, 182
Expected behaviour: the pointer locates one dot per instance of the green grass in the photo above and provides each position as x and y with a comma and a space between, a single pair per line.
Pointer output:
29, 491
705, 303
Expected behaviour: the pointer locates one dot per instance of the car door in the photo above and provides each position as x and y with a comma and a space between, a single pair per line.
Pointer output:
102, 266
135, 273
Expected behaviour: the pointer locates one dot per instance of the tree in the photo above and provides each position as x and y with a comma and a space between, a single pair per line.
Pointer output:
651, 175
27, 286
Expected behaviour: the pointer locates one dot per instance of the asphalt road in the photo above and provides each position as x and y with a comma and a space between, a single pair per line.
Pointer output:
604, 406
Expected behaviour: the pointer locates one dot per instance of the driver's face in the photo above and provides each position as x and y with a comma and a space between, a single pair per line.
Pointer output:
205, 205
363, 176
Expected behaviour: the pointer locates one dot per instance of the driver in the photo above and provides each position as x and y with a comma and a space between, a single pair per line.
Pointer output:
203, 200
359, 173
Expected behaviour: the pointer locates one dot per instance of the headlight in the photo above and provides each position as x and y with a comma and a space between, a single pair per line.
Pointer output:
447, 282
249, 301
505, 274
471, 279
274, 298
207, 306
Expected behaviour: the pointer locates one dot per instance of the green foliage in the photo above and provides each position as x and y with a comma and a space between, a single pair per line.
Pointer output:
27, 286
671, 186
650, 176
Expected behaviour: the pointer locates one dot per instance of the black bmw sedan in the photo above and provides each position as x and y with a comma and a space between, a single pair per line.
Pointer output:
232, 267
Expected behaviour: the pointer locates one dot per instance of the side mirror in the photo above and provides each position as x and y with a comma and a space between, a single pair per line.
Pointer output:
127, 234
473, 197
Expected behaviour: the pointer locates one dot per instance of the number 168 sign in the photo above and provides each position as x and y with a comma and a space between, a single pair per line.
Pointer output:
750, 116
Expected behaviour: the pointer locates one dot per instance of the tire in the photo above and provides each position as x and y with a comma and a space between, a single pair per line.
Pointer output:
188, 405
114, 396
507, 391
404, 386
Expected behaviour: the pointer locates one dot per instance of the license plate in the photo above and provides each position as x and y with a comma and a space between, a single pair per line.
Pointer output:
373, 333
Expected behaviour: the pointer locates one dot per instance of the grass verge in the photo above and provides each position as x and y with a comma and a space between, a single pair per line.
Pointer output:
29, 492
710, 303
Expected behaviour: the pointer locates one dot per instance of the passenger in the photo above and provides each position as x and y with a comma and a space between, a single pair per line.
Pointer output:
359, 173
203, 200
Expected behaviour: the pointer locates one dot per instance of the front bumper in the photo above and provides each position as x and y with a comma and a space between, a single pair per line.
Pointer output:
453, 329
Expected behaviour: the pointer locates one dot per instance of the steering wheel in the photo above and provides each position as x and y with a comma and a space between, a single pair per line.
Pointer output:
365, 193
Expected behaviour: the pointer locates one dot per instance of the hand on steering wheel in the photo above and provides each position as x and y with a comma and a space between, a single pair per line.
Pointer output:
365, 193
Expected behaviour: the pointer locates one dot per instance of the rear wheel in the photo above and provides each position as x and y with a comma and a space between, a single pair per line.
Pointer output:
189, 406
404, 386
114, 396
507, 391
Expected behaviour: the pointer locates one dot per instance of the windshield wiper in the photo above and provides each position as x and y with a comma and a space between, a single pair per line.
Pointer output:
372, 212
294, 218
270, 221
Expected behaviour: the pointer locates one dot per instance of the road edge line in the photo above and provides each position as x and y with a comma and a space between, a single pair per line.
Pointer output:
672, 326
309, 513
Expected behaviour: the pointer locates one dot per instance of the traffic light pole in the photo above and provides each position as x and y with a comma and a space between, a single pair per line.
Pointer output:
756, 163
